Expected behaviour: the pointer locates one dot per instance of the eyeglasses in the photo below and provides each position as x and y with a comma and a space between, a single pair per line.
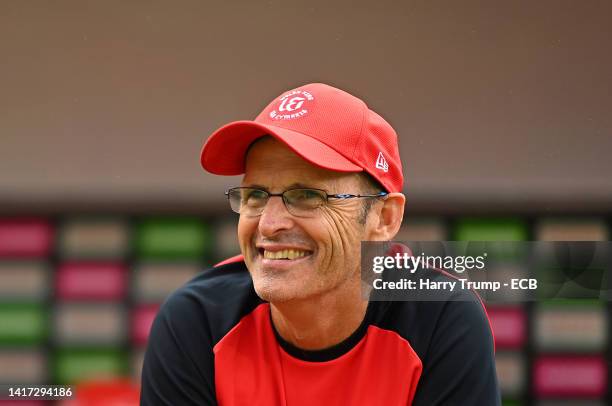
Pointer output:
299, 202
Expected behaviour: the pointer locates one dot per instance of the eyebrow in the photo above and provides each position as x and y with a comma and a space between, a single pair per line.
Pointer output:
255, 186
295, 185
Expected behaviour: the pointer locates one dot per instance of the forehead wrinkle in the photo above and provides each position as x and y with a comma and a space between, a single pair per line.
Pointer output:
271, 163
331, 182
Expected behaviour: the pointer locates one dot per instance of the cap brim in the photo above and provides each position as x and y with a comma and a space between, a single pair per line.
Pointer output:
224, 151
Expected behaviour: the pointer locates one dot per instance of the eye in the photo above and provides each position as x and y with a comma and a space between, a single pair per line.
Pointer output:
254, 197
305, 198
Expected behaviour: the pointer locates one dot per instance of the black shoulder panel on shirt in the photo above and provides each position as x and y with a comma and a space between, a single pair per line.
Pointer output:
225, 295
452, 337
178, 366
418, 321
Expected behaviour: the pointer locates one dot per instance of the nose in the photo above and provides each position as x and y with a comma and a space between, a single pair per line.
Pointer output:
274, 218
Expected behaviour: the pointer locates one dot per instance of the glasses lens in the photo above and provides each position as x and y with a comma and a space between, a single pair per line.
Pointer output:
247, 201
303, 201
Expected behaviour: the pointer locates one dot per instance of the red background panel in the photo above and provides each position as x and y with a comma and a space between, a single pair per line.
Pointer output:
91, 280
570, 376
25, 237
509, 326
142, 319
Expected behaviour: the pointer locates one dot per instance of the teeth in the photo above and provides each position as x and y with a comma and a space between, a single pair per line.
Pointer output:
284, 254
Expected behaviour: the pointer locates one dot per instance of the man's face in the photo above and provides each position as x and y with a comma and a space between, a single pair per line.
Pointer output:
326, 245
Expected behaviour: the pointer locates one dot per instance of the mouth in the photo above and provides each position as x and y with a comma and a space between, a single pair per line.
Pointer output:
286, 254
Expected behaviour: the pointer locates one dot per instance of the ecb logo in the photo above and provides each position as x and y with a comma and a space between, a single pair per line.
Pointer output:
292, 105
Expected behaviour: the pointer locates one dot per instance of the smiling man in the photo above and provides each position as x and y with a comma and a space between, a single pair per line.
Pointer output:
286, 323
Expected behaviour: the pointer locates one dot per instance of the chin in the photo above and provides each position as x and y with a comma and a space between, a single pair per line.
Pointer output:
272, 295
275, 291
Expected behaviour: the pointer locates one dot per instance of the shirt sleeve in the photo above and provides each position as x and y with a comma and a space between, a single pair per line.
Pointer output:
459, 367
178, 365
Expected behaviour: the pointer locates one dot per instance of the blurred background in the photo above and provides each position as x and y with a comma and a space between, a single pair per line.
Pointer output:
504, 123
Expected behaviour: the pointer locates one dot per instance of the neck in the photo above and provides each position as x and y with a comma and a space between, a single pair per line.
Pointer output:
321, 322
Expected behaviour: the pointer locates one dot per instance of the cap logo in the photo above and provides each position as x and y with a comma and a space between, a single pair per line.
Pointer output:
292, 105
381, 163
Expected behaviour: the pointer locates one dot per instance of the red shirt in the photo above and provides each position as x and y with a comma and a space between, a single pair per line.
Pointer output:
213, 343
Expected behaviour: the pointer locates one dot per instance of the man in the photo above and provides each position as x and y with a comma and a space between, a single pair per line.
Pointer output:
286, 324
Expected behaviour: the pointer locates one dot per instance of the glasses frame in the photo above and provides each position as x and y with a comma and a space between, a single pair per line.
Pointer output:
327, 196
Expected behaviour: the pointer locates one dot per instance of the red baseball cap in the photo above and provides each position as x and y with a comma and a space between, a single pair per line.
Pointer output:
328, 127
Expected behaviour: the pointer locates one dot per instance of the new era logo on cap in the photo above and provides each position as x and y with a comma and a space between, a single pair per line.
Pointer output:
381, 162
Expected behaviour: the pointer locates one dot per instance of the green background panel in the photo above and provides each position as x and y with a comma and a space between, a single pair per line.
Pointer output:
173, 238
72, 366
491, 235
23, 324
569, 304
490, 229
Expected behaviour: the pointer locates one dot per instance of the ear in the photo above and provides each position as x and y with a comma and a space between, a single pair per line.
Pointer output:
387, 218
